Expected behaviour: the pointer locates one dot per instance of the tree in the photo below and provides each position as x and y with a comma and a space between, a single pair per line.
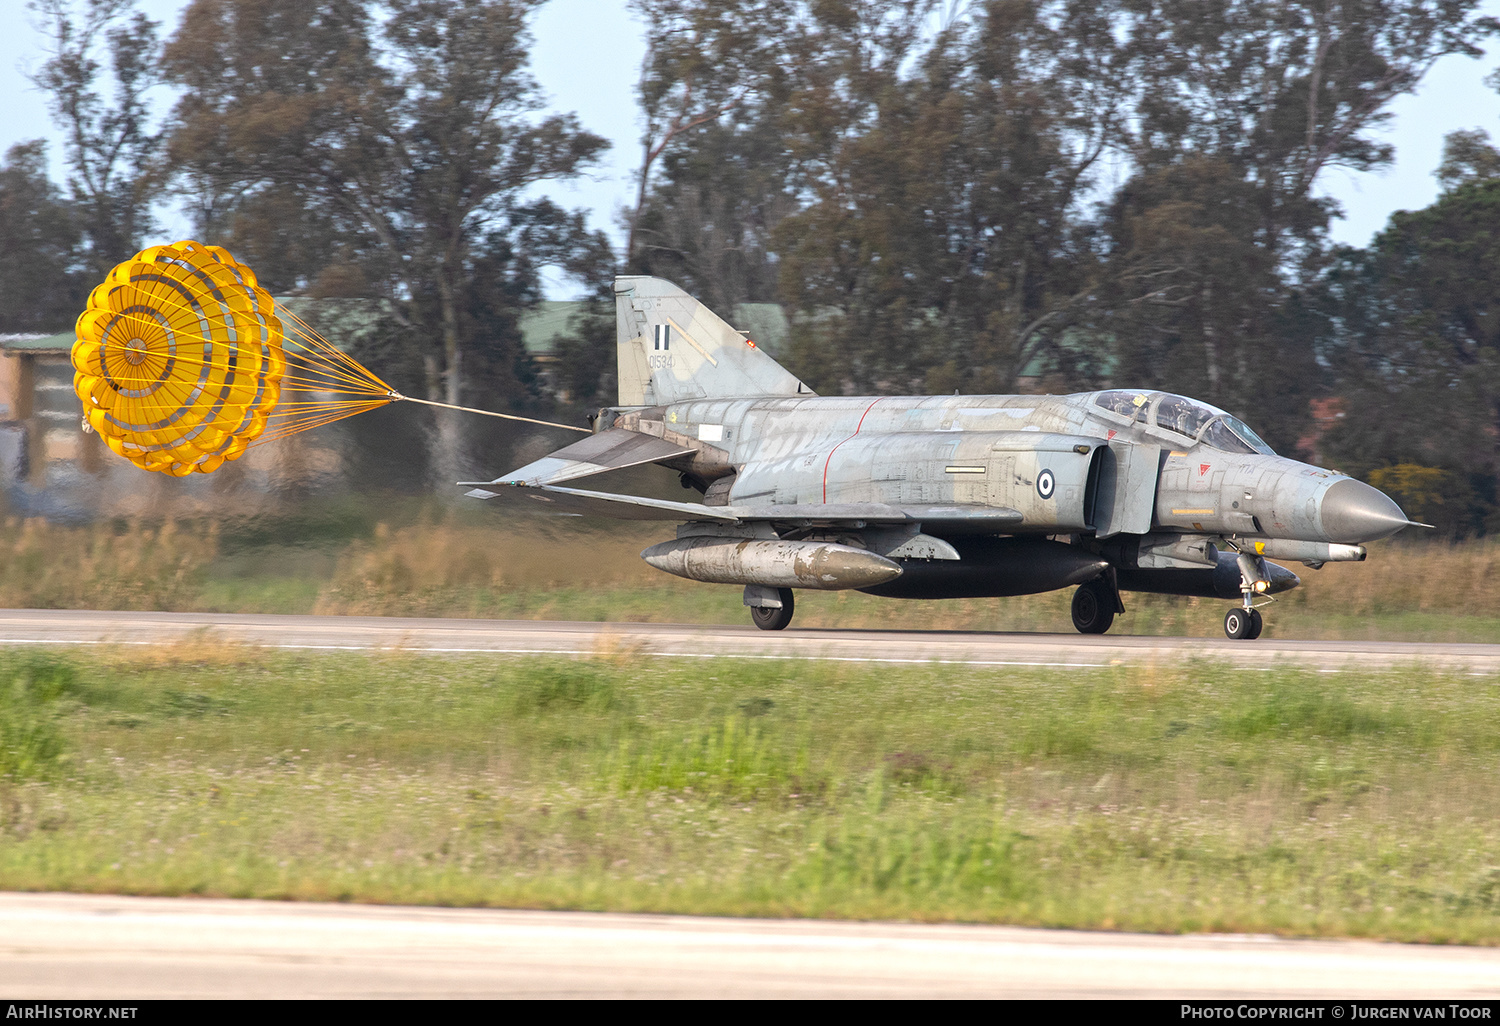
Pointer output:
40, 287
265, 82
412, 140
940, 248
1283, 89
1467, 157
1413, 326
111, 150
1238, 106
714, 168
1191, 299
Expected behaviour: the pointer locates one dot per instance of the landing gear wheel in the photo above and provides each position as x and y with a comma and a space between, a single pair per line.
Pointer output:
1237, 624
1093, 608
768, 618
1257, 624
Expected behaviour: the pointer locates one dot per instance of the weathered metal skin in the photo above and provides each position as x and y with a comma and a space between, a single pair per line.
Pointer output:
1270, 496
897, 451
994, 450
942, 496
826, 566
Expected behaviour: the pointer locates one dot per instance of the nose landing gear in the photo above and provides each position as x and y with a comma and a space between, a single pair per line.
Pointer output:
1246, 623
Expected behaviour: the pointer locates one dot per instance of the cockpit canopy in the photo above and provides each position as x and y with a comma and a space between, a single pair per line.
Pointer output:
1188, 417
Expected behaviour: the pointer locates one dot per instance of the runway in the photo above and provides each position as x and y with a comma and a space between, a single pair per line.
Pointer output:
528, 637
66, 946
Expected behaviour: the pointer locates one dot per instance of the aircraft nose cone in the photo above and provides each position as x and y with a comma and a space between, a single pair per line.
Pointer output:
1352, 512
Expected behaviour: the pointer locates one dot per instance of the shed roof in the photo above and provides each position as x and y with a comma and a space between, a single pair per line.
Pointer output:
62, 342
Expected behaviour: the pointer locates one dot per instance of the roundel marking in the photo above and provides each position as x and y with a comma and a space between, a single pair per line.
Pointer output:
1046, 484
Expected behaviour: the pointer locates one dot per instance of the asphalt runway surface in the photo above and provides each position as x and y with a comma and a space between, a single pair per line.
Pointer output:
71, 946
534, 637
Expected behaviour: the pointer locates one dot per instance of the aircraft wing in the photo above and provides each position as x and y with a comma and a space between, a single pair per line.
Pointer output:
614, 449
954, 516
605, 504
958, 516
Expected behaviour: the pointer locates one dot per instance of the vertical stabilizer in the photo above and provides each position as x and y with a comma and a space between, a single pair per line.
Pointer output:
672, 348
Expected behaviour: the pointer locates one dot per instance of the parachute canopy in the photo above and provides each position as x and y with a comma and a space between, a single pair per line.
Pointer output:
182, 363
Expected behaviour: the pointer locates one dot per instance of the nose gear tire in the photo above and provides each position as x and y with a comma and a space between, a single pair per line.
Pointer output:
1237, 624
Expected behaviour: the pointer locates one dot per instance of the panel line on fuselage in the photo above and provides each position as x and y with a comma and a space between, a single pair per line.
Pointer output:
835, 449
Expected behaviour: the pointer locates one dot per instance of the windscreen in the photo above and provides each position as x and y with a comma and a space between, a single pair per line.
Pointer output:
1233, 435
1243, 430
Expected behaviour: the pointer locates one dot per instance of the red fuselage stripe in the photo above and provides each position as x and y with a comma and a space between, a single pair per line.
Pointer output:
835, 449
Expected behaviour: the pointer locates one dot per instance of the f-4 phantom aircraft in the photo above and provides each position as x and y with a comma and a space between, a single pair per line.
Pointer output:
943, 496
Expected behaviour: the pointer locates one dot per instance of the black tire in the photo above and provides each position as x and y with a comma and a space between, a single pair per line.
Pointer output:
768, 618
1093, 608
1257, 624
1237, 624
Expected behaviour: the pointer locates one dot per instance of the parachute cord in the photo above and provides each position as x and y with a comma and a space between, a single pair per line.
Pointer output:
398, 397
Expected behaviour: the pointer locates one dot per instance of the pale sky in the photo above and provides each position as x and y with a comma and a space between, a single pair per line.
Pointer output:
587, 58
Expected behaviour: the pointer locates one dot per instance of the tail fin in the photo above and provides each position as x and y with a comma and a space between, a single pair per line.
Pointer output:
672, 348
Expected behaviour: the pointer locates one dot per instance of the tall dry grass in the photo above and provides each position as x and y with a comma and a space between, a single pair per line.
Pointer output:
1427, 577
438, 570
444, 566
137, 566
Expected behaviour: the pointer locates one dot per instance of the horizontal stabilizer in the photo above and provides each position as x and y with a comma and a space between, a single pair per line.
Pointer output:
953, 516
614, 449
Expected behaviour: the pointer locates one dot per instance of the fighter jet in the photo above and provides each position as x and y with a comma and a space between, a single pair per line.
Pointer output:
926, 497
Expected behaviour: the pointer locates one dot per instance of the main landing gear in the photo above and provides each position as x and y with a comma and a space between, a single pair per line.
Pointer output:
770, 618
1094, 606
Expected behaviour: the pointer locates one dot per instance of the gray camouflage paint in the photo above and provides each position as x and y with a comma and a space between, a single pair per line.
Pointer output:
1030, 453
1042, 491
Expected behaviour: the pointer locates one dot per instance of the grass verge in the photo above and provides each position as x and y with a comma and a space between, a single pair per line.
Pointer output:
1175, 798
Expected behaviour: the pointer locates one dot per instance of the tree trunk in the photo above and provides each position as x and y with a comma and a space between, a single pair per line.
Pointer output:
452, 356
450, 430
1210, 345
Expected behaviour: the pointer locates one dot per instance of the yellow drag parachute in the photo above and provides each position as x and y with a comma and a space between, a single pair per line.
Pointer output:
179, 359
182, 361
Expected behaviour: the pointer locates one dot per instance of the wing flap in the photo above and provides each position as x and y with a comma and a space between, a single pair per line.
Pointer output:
614, 449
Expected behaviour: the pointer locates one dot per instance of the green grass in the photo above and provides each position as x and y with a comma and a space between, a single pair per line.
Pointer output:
1147, 798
